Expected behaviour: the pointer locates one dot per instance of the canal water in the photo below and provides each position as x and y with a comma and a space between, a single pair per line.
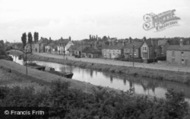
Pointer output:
143, 86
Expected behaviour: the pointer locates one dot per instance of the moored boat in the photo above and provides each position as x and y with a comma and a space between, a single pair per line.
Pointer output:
35, 66
63, 74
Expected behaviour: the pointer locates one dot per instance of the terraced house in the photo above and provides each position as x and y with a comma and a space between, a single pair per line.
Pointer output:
112, 52
179, 54
91, 52
132, 50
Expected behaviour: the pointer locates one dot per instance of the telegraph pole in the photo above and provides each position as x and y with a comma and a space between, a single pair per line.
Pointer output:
26, 65
133, 55
25, 52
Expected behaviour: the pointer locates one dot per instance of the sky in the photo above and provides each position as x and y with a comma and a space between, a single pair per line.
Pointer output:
80, 18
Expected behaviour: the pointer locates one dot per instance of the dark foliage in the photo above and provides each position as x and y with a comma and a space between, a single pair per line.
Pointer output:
23, 39
69, 103
36, 37
30, 40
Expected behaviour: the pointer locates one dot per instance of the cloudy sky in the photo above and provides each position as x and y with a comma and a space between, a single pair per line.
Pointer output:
79, 18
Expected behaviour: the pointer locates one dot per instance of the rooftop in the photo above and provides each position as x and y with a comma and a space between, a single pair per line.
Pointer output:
113, 47
137, 44
91, 50
179, 48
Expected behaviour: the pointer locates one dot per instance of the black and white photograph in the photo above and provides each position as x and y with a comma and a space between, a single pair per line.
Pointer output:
94, 59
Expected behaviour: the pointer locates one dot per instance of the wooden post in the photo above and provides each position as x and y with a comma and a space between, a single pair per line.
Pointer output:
26, 64
133, 55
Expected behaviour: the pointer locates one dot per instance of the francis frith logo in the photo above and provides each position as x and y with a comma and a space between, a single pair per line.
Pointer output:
160, 21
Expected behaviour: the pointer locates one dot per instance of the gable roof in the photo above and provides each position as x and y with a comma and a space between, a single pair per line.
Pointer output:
62, 42
76, 47
52, 45
148, 42
162, 42
137, 44
91, 50
179, 48
113, 47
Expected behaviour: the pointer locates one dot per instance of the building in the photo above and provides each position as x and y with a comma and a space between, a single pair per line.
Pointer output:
28, 48
67, 46
178, 54
51, 48
76, 50
161, 48
132, 49
63, 45
38, 47
91, 52
148, 50
112, 52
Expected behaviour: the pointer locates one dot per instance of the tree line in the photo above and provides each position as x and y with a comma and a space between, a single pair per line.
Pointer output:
28, 38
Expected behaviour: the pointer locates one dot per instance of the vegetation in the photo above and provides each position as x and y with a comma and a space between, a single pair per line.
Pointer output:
30, 38
69, 103
3, 54
2, 50
36, 37
24, 38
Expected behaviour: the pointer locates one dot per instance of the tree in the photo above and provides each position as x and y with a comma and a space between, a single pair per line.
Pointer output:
36, 37
30, 40
23, 38
104, 38
2, 49
176, 107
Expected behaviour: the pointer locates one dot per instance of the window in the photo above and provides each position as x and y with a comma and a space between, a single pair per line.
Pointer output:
182, 61
145, 49
182, 54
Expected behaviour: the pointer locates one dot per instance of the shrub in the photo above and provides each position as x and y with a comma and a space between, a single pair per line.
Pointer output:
102, 103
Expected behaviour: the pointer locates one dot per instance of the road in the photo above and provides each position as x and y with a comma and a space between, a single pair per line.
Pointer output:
160, 66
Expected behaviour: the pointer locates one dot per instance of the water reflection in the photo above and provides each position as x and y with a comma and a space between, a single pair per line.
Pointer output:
140, 85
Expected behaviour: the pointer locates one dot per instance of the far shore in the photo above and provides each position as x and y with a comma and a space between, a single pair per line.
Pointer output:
181, 77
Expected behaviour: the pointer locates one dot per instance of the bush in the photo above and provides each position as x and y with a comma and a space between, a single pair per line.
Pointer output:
69, 103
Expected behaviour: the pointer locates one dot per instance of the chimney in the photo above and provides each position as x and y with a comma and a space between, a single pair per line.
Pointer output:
130, 40
144, 39
69, 38
181, 43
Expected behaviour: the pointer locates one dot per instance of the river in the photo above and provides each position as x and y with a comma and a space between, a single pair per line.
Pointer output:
143, 86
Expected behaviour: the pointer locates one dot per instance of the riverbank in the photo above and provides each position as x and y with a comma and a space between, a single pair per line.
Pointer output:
42, 78
11, 78
182, 77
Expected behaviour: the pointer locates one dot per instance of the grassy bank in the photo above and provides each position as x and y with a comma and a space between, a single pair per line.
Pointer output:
11, 78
